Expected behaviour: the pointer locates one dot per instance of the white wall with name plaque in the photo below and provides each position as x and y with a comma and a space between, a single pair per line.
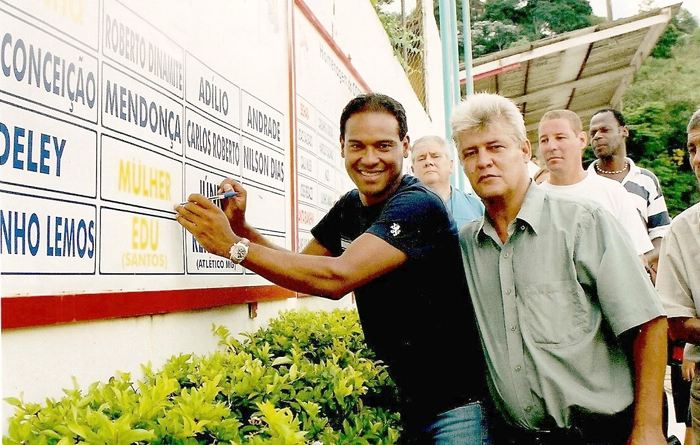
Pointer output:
114, 111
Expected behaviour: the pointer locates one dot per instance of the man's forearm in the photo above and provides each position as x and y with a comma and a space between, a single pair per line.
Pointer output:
650, 351
250, 232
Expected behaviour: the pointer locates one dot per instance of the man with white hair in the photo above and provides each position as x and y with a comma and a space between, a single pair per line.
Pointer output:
573, 331
431, 162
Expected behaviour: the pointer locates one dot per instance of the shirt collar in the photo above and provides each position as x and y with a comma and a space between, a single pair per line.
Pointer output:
530, 214
531, 211
633, 168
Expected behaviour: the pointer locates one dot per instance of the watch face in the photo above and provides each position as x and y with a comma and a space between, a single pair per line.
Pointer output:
238, 253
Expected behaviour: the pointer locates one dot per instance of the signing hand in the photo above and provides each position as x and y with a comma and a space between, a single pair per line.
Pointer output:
234, 207
207, 223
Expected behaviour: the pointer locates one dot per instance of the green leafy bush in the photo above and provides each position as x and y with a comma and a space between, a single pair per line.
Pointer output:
307, 378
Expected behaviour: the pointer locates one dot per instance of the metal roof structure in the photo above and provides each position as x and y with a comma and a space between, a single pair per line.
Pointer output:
583, 70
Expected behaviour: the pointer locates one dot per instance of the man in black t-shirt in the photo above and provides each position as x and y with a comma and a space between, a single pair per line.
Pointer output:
389, 241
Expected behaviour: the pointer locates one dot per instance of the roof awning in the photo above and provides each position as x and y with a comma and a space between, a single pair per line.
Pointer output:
583, 70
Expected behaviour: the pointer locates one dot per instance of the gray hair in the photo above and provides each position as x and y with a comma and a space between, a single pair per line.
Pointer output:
478, 111
694, 121
432, 139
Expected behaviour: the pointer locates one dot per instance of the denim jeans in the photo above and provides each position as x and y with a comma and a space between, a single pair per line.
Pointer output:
466, 425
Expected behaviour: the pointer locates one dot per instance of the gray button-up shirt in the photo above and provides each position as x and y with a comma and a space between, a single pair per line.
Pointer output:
551, 302
678, 278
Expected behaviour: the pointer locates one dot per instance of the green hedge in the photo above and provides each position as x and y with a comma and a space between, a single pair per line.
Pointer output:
307, 378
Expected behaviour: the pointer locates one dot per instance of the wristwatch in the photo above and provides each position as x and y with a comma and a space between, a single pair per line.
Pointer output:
239, 251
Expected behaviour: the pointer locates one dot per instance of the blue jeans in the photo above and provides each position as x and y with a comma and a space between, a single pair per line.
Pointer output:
466, 425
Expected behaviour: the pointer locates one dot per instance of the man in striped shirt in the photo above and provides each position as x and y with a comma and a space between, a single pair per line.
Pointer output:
609, 134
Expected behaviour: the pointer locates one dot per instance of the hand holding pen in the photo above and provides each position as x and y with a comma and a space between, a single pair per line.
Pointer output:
216, 198
216, 228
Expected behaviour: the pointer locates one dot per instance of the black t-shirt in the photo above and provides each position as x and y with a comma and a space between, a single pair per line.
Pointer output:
417, 318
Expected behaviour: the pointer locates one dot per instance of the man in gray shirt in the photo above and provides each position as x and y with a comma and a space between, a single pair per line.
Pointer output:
573, 331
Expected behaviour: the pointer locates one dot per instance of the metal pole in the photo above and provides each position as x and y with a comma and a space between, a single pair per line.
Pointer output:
454, 54
404, 50
469, 82
467, 46
450, 66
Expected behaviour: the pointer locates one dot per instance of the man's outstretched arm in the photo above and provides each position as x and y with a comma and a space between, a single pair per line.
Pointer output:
311, 272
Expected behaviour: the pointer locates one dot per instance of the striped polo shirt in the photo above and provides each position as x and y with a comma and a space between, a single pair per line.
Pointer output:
648, 198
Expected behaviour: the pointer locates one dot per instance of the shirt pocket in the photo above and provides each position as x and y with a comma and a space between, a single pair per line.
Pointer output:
557, 314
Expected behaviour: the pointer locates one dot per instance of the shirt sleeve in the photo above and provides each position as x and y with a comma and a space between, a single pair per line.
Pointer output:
608, 266
412, 220
672, 280
629, 217
658, 219
327, 231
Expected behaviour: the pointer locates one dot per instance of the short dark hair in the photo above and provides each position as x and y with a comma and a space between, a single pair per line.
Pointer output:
618, 115
375, 102
573, 118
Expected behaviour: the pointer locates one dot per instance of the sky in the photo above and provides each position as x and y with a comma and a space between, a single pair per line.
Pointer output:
626, 8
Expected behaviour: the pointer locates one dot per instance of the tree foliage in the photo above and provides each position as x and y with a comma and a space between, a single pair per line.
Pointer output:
404, 33
499, 24
539, 18
658, 104
491, 36
678, 31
